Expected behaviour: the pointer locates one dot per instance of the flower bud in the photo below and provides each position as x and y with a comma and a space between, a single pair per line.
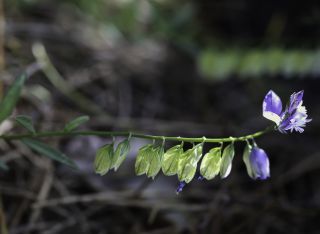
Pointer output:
259, 163
181, 185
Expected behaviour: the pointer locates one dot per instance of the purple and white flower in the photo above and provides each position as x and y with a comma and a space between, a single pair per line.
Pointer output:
294, 117
259, 164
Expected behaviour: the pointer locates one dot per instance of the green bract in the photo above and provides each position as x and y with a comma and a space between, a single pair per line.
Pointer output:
187, 164
210, 165
226, 161
103, 160
171, 159
120, 153
142, 165
246, 154
149, 160
154, 160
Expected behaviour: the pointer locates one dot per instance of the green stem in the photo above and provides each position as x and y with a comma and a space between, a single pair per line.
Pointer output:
135, 135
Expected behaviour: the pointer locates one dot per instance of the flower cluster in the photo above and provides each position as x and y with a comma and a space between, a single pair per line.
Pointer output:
293, 117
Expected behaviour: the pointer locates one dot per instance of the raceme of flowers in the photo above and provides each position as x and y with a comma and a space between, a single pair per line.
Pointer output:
153, 158
187, 165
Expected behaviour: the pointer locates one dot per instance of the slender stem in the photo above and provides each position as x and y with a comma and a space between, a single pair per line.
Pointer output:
135, 135
60, 83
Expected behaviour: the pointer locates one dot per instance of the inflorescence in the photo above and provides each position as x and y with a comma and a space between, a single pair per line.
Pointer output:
153, 158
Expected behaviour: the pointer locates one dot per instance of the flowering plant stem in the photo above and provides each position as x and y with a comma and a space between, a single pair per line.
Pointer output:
134, 135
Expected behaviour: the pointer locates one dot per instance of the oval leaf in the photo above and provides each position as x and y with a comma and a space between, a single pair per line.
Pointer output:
226, 161
103, 161
246, 154
142, 164
171, 159
210, 165
187, 164
26, 122
48, 151
72, 125
154, 160
121, 153
11, 98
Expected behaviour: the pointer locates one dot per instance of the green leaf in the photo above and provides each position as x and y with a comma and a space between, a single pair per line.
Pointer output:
171, 160
154, 160
142, 163
48, 151
72, 125
11, 98
26, 122
3, 166
103, 161
246, 155
210, 165
226, 161
187, 164
120, 153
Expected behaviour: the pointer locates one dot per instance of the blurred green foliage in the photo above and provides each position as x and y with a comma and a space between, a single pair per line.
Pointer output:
177, 23
134, 19
218, 64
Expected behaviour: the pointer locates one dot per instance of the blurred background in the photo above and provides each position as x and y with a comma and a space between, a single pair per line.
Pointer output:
171, 67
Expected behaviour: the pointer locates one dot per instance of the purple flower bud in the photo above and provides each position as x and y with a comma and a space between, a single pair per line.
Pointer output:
180, 187
199, 176
259, 163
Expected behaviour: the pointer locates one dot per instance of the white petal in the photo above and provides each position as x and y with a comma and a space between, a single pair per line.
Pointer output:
272, 116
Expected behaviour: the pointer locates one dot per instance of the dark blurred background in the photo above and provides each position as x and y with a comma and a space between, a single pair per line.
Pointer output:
172, 67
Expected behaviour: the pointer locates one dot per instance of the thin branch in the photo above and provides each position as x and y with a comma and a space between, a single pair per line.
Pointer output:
59, 82
122, 200
135, 135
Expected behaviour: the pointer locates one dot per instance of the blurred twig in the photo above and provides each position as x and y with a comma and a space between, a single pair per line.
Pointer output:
17, 192
122, 199
2, 34
60, 226
58, 81
43, 192
1, 90
3, 226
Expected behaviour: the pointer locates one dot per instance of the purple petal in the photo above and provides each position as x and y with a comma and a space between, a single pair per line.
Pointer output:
295, 100
284, 125
180, 187
295, 121
200, 178
272, 107
259, 162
